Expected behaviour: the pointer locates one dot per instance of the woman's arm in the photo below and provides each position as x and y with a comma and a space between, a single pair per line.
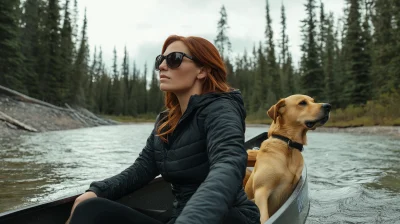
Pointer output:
224, 126
141, 172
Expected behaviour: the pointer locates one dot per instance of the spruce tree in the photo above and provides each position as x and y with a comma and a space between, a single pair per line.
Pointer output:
357, 90
66, 54
30, 44
11, 58
272, 66
312, 76
52, 79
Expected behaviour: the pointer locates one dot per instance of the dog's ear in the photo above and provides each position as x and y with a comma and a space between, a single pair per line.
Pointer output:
273, 111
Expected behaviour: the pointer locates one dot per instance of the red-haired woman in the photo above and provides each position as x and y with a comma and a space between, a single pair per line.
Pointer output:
197, 145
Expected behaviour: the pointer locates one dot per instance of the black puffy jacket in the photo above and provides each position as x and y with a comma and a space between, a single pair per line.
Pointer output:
204, 160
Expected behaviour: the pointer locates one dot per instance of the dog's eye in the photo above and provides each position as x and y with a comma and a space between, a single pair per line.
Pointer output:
303, 103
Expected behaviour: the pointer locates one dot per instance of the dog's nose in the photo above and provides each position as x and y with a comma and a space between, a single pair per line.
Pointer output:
327, 107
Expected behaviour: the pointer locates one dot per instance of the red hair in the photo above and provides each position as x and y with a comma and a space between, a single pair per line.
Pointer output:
205, 55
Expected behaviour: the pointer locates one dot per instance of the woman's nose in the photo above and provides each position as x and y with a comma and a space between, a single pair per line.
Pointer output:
163, 65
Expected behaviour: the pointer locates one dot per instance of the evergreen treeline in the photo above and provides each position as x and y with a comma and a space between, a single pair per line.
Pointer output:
345, 61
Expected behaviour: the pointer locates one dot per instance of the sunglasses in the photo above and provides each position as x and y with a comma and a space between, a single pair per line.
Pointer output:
173, 59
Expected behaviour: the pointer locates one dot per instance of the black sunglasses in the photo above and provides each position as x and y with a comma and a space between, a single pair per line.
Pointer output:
173, 59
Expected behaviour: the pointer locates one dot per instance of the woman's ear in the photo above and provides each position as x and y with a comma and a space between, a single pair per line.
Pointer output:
203, 73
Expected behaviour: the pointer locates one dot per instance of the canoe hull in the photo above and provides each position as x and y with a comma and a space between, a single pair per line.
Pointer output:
296, 208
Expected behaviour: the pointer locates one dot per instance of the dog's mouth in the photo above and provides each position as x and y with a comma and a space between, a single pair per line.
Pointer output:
315, 123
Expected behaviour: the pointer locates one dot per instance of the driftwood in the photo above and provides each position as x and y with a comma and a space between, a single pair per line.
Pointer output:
15, 122
76, 114
22, 97
81, 114
95, 118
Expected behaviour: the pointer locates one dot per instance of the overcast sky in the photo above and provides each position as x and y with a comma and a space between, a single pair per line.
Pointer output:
143, 25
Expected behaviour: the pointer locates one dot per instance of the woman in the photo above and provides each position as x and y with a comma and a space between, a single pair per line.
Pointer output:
197, 145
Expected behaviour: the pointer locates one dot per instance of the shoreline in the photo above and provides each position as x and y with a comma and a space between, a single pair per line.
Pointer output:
18, 117
366, 130
44, 119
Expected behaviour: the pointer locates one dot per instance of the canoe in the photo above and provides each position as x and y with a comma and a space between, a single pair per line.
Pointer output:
155, 199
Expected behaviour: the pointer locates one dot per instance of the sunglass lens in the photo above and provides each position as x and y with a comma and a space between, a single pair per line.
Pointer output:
174, 59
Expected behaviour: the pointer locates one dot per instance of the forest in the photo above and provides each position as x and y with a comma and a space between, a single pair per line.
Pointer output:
350, 62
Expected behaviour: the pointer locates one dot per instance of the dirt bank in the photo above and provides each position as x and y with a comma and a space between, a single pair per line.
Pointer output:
43, 118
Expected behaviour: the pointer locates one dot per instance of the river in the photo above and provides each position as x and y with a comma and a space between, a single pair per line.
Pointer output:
353, 178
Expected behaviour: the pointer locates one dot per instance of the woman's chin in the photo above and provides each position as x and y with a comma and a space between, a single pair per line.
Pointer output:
165, 88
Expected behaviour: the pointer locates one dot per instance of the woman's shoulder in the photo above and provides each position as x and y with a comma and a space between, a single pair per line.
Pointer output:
222, 104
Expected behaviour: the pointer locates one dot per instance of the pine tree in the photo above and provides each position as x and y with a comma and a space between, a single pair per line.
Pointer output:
143, 96
155, 99
224, 45
103, 94
66, 54
357, 90
395, 63
75, 27
80, 69
312, 74
30, 40
125, 82
90, 87
134, 91
11, 58
52, 80
272, 66
117, 87
285, 60
322, 32
222, 41
329, 63
383, 51
259, 94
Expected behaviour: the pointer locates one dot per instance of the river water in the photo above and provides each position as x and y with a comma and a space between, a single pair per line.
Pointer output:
353, 178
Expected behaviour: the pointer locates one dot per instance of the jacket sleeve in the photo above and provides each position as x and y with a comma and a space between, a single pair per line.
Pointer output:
224, 128
141, 172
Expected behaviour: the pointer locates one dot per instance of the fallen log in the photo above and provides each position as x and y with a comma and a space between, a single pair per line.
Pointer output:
76, 114
95, 118
83, 115
15, 122
22, 97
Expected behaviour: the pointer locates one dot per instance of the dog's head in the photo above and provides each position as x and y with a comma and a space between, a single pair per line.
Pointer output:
299, 112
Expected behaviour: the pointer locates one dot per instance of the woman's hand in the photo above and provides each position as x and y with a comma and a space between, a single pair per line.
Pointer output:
80, 199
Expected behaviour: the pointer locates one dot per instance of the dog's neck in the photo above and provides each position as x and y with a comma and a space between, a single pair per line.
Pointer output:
298, 135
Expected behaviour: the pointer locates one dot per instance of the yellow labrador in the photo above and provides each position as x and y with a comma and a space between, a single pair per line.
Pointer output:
279, 162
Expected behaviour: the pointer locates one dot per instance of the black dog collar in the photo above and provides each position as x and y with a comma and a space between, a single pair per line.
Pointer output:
289, 142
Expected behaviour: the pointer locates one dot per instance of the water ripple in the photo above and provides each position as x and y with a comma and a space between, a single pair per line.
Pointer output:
352, 178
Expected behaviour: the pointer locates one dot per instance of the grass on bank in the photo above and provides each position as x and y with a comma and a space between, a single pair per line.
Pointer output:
384, 111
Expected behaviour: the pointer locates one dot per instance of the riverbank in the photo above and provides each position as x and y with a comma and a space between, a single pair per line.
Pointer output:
20, 117
349, 127
44, 118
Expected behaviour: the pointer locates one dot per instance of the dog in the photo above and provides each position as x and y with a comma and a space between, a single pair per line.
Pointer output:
278, 163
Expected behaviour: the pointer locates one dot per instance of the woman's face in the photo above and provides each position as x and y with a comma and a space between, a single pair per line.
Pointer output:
180, 79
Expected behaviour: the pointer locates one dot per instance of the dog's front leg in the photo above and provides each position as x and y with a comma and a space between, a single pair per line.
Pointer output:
261, 196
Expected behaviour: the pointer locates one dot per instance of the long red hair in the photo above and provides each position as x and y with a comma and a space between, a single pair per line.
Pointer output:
206, 55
